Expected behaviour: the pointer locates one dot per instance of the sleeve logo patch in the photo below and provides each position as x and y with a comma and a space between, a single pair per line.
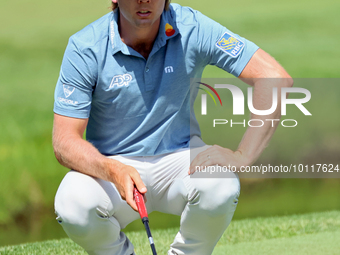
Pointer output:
68, 90
230, 45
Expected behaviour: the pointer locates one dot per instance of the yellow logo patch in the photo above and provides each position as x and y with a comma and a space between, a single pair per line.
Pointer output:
230, 44
169, 30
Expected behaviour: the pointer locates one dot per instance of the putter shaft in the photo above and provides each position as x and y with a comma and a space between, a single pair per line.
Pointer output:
144, 216
152, 244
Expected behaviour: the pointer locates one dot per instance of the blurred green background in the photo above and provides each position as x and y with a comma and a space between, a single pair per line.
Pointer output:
302, 35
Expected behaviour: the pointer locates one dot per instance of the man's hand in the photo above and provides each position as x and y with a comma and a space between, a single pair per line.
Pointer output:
125, 179
217, 155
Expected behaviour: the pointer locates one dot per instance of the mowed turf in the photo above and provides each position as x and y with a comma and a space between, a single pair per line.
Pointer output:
302, 35
316, 233
326, 243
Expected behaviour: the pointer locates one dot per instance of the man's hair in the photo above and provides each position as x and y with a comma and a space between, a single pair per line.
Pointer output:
166, 6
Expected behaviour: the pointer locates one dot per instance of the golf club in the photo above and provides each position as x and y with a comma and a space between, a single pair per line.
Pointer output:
144, 216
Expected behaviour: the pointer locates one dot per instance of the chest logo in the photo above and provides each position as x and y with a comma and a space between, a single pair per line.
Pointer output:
169, 69
121, 80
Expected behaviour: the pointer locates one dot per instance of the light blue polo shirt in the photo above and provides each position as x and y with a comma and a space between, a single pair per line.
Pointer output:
142, 107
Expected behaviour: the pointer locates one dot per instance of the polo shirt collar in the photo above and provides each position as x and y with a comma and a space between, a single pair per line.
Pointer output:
167, 30
116, 42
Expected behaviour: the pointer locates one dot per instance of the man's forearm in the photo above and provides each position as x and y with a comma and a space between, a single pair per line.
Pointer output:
75, 153
256, 139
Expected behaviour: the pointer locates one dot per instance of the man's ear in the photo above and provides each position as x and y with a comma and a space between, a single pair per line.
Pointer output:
114, 1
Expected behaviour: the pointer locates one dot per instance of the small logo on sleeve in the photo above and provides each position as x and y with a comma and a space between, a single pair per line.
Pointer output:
230, 45
68, 90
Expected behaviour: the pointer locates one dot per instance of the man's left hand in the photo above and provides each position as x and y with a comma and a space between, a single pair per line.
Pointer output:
217, 155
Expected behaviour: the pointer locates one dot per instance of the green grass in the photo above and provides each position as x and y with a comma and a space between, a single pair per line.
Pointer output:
301, 35
316, 233
326, 243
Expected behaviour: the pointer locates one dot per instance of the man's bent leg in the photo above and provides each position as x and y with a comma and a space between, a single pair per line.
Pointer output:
206, 205
92, 214
207, 214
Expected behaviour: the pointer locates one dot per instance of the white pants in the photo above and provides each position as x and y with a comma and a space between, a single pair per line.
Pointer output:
92, 212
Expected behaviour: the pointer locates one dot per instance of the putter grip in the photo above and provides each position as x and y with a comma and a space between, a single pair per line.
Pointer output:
140, 204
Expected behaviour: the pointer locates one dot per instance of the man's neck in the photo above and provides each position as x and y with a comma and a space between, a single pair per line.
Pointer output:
139, 39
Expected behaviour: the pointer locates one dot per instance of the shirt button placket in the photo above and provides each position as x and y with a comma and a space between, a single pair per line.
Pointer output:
148, 79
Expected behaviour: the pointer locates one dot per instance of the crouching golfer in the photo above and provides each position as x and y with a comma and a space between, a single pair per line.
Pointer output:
125, 78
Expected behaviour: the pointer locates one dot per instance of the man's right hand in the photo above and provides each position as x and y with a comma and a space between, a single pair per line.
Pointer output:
125, 179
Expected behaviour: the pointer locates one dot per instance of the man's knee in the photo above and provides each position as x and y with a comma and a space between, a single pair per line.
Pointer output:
218, 196
81, 205
73, 212
77, 205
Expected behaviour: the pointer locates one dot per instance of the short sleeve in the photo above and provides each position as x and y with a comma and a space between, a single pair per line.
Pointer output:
73, 92
219, 46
